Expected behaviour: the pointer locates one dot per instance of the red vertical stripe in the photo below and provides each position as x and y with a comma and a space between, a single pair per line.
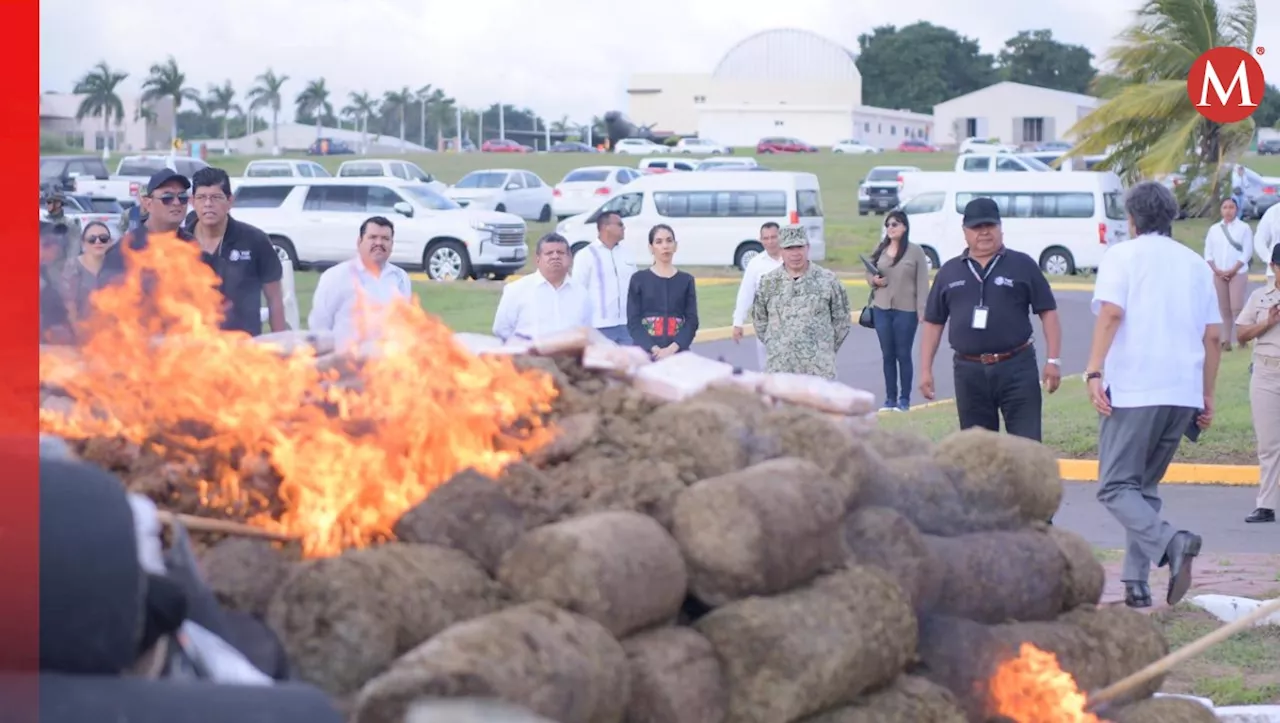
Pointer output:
19, 345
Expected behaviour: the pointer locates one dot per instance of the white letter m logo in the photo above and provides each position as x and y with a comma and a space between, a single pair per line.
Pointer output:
1241, 79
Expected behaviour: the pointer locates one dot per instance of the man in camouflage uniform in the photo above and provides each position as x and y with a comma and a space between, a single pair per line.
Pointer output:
55, 214
801, 311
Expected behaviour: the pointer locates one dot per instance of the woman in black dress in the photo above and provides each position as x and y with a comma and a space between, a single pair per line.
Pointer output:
662, 303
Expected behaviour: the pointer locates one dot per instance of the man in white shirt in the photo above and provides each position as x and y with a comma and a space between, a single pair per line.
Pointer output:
1265, 238
544, 302
369, 277
1151, 375
604, 270
757, 267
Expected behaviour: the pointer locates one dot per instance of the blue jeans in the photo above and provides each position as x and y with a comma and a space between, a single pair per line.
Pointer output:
897, 332
617, 334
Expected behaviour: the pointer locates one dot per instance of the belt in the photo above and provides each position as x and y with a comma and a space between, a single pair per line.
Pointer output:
995, 358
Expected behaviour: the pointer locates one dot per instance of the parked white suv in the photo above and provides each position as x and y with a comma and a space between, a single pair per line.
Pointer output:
389, 168
285, 168
638, 147
317, 221
700, 146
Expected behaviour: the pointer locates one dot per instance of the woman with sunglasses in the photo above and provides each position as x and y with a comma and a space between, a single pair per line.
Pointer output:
80, 276
897, 305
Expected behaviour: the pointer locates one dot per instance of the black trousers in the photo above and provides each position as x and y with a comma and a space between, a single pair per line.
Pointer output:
1009, 389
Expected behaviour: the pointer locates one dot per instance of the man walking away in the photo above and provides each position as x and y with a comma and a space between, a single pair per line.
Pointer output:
801, 311
986, 294
604, 270
1260, 322
1152, 366
757, 267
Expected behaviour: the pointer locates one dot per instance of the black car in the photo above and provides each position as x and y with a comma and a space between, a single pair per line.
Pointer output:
879, 190
1269, 147
570, 147
60, 172
330, 147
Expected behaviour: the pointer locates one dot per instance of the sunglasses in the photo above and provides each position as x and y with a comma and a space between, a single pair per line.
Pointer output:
98, 239
892, 224
170, 199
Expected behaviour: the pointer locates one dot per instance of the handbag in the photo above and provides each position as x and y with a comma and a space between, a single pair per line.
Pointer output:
866, 319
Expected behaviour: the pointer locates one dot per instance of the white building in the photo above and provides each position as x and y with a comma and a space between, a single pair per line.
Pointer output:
298, 137
1013, 113
775, 83
132, 133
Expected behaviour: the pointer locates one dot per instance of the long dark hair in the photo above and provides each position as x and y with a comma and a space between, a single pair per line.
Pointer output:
901, 218
653, 232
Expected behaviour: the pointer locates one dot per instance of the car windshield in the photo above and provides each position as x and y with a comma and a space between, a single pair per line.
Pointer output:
105, 205
424, 196
360, 170
883, 174
1035, 164
593, 175
483, 179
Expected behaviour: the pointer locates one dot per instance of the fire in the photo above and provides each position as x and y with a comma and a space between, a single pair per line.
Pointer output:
1033, 688
154, 368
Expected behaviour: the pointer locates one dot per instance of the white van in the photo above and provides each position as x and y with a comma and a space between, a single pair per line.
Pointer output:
1063, 220
716, 216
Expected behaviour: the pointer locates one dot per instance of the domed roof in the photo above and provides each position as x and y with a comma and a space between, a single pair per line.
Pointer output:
788, 55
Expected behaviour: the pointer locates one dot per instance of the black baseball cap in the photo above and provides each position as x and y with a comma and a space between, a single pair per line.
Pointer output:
980, 212
166, 175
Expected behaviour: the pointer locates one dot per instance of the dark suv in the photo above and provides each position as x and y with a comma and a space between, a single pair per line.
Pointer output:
879, 190
1269, 147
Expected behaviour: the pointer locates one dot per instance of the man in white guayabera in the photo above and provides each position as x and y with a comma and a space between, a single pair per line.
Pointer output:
604, 269
758, 266
347, 295
1151, 372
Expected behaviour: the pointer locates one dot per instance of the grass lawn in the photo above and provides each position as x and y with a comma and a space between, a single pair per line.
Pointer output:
470, 305
1071, 424
1242, 670
847, 233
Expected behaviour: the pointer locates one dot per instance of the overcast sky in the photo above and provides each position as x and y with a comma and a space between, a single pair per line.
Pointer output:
558, 57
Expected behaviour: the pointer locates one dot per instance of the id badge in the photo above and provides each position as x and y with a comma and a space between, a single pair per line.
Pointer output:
979, 317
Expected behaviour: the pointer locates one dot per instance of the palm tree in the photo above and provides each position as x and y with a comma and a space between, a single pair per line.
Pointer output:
266, 94
442, 113
393, 101
564, 125
165, 80
98, 87
314, 99
222, 101
1147, 124
364, 106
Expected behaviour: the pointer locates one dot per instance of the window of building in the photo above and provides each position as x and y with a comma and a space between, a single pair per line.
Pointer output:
1033, 130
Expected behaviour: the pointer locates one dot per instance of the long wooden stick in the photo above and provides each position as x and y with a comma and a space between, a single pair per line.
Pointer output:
226, 527
1123, 687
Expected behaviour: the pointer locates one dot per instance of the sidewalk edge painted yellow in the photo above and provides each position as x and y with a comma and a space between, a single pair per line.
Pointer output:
1236, 475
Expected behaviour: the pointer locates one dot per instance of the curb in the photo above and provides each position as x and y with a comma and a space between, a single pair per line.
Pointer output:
1086, 470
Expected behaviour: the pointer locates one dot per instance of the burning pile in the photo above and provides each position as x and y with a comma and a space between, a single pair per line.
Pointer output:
681, 544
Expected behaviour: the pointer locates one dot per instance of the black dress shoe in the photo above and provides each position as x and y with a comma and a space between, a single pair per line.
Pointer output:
1182, 550
1262, 514
1137, 595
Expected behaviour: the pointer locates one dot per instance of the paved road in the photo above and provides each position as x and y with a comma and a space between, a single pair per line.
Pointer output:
1215, 513
859, 365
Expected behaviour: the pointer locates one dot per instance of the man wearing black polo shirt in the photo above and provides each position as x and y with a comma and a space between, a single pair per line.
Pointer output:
241, 254
985, 294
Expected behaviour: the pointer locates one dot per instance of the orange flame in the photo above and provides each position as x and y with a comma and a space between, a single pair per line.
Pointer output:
154, 368
1033, 688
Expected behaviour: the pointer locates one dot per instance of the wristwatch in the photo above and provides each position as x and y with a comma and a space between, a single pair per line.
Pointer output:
1055, 362
1090, 376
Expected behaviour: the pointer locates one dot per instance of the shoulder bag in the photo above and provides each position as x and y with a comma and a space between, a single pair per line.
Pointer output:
866, 318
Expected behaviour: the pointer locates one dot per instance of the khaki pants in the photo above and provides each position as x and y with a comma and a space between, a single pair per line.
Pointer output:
1231, 302
1264, 397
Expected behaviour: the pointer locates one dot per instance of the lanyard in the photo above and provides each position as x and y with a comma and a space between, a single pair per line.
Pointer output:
982, 280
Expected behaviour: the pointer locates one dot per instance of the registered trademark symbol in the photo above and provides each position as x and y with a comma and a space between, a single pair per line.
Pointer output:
1261, 50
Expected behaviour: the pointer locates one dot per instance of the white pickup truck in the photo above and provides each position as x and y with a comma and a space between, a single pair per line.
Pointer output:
132, 173
999, 163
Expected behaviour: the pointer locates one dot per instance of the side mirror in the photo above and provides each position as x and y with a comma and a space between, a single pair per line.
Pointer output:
403, 208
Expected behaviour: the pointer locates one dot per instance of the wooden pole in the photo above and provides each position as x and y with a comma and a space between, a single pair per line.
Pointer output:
226, 527
1125, 686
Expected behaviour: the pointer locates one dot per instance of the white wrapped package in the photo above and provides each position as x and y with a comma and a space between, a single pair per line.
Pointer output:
817, 393
569, 341
322, 342
680, 376
747, 381
477, 343
615, 357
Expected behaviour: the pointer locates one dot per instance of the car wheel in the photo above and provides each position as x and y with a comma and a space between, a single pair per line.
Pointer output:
545, 215
286, 251
863, 213
932, 257
500, 208
837, 151
1057, 261
746, 251
446, 261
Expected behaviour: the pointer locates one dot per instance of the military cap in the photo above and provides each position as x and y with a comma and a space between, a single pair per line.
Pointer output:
792, 236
